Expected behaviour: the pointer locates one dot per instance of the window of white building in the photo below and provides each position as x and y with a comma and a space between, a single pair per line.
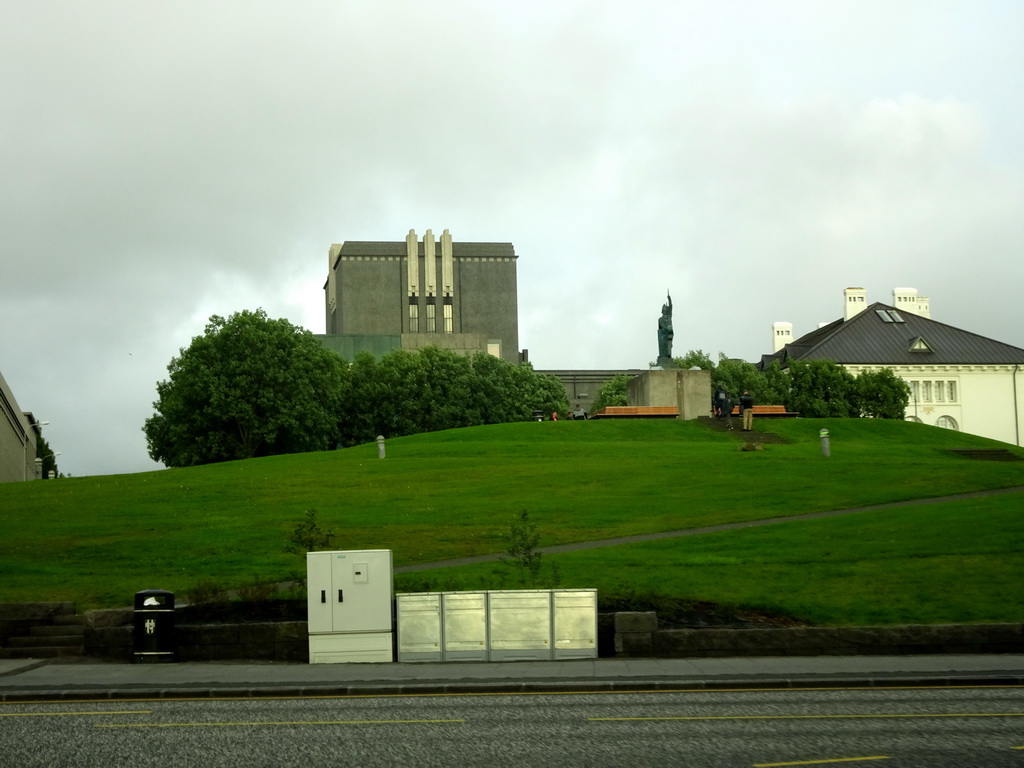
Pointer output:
951, 391
947, 422
926, 391
940, 391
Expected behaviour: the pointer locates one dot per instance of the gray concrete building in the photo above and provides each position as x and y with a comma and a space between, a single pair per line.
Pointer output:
18, 432
381, 296
582, 386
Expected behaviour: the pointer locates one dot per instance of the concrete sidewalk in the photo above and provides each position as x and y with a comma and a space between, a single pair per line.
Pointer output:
28, 680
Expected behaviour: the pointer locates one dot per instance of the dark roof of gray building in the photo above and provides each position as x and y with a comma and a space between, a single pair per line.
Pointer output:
882, 335
459, 250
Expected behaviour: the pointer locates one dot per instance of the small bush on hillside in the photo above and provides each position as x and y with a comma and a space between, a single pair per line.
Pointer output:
257, 590
522, 554
207, 597
308, 536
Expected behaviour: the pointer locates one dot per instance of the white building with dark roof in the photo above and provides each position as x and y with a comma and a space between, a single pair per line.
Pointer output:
958, 379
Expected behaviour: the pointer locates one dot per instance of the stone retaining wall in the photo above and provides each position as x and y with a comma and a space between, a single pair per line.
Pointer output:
109, 635
18, 619
256, 641
637, 636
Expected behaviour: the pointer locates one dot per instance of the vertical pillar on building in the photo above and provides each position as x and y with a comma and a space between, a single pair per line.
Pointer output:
430, 277
413, 279
332, 287
447, 281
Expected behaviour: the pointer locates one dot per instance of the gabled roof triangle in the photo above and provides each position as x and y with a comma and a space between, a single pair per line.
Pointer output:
918, 344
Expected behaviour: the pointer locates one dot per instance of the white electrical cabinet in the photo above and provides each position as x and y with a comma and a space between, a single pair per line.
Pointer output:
349, 606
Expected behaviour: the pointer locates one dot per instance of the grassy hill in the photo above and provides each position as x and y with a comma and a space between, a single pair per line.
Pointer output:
97, 540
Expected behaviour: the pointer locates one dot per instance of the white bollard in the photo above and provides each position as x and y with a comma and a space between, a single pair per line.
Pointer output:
825, 449
380, 446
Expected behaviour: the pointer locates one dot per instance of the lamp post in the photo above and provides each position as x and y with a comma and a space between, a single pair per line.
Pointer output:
30, 444
39, 464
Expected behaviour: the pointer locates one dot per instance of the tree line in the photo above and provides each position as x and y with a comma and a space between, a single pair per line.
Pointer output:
254, 386
814, 389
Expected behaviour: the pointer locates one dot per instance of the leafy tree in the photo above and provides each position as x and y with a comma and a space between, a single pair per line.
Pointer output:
45, 452
405, 393
696, 358
822, 388
611, 393
360, 402
539, 391
734, 376
249, 386
774, 387
882, 394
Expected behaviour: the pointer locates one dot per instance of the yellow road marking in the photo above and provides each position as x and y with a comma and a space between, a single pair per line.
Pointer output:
74, 714
293, 722
808, 717
822, 762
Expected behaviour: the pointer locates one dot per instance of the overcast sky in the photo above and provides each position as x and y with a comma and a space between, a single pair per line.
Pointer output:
163, 162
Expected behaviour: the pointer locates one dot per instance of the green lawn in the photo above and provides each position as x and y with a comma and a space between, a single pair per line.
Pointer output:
97, 540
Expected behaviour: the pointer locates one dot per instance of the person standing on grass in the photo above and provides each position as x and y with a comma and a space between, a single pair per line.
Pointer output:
719, 401
747, 408
725, 403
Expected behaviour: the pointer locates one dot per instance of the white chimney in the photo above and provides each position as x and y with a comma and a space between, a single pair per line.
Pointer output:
907, 300
855, 300
782, 334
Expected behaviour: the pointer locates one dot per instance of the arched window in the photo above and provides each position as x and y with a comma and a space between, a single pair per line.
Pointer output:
913, 419
947, 422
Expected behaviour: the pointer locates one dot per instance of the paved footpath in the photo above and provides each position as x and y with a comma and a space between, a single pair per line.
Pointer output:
641, 537
28, 680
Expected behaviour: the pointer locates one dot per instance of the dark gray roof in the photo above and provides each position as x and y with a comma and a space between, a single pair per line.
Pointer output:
459, 250
875, 337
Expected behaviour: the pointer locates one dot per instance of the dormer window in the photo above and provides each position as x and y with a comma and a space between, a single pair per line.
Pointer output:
918, 344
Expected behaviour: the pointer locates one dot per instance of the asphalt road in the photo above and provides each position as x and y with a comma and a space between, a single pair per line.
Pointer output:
960, 727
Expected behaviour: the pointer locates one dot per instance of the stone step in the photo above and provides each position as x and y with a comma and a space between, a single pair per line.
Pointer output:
44, 641
70, 630
74, 619
51, 652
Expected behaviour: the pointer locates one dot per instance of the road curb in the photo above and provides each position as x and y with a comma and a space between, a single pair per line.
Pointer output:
503, 687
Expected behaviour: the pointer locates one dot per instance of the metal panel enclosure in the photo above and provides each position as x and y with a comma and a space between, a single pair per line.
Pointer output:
419, 626
575, 623
498, 625
520, 624
465, 626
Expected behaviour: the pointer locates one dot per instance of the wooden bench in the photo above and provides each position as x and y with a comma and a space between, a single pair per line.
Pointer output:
670, 412
637, 412
775, 411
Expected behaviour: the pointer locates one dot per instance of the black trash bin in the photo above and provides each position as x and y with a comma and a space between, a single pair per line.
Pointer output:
154, 627
538, 415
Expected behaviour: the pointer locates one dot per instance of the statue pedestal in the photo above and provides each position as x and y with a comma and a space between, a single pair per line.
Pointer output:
689, 391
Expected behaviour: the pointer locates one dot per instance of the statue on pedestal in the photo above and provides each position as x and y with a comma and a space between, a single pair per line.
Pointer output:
665, 335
